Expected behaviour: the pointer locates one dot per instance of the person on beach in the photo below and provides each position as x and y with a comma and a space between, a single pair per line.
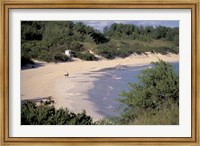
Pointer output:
66, 74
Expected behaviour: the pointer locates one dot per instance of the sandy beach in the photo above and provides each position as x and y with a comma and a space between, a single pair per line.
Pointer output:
75, 91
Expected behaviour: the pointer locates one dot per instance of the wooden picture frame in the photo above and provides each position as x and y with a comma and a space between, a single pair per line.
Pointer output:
44, 4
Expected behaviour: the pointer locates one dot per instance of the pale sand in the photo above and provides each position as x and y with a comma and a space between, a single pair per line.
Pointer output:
72, 92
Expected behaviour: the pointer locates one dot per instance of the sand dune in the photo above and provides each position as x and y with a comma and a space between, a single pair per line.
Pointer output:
71, 92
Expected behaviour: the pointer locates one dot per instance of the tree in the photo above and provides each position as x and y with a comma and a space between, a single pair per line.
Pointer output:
46, 114
157, 90
44, 40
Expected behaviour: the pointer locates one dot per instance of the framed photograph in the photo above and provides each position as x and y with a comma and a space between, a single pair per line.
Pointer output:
105, 72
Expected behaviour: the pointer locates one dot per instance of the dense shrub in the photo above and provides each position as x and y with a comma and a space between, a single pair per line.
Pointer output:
46, 56
107, 50
31, 30
146, 34
156, 93
61, 57
46, 114
163, 50
43, 40
26, 60
75, 46
108, 121
112, 50
99, 38
86, 56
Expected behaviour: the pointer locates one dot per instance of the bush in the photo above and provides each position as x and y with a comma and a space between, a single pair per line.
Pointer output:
75, 46
46, 56
107, 50
44, 40
46, 114
163, 50
99, 38
61, 57
86, 56
124, 52
167, 115
107, 121
26, 60
156, 92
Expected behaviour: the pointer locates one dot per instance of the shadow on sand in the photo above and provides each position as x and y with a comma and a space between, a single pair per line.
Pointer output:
32, 66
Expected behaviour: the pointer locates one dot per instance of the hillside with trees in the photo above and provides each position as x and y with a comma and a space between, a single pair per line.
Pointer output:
48, 40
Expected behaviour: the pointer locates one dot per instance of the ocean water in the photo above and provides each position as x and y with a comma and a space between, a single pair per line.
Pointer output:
176, 66
109, 85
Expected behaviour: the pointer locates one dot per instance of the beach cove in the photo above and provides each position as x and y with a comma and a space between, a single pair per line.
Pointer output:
91, 85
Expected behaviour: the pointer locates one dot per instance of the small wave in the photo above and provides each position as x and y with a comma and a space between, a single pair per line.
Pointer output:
110, 87
109, 107
116, 78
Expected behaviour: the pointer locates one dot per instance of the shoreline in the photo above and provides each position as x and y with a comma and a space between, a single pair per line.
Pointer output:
70, 92
132, 60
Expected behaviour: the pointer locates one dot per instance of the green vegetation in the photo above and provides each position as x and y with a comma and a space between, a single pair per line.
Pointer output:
154, 100
86, 56
46, 114
25, 61
47, 40
126, 39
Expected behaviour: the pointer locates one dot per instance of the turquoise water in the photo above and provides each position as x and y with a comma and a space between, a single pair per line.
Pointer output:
111, 83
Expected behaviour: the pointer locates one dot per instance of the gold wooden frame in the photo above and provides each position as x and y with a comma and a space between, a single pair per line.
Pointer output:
182, 4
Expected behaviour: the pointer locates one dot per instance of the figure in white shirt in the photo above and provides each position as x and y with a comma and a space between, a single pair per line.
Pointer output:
66, 74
